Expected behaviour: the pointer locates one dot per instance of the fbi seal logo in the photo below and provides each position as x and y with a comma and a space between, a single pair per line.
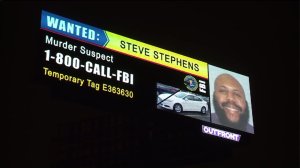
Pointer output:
191, 83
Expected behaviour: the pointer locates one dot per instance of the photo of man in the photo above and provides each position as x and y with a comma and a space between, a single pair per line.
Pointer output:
230, 99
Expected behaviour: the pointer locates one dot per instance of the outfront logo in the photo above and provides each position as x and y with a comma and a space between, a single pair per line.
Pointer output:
191, 83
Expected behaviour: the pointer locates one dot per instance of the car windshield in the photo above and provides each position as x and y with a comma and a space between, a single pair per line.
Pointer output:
180, 94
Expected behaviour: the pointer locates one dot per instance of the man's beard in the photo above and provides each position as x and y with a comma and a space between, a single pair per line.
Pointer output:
240, 125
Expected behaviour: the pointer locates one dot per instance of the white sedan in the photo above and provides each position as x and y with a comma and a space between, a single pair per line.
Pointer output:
182, 101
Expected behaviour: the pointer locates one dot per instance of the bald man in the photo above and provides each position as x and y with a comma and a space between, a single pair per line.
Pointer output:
231, 107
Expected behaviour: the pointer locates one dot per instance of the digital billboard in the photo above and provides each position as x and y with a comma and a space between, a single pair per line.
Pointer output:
91, 64
105, 84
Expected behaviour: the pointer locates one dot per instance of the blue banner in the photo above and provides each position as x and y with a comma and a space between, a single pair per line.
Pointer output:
73, 29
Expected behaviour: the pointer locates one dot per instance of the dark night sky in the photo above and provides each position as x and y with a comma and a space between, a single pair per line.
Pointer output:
260, 40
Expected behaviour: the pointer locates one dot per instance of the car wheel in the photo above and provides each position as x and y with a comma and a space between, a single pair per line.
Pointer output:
177, 108
203, 110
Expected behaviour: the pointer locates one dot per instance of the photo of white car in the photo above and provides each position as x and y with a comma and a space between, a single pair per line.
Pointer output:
182, 101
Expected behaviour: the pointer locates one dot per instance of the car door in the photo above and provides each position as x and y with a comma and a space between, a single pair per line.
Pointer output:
187, 103
191, 103
198, 103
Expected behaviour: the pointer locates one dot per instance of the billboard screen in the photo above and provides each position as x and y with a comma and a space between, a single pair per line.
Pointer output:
153, 84
89, 64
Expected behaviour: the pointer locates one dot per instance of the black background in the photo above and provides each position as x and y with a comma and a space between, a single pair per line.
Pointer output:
50, 128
